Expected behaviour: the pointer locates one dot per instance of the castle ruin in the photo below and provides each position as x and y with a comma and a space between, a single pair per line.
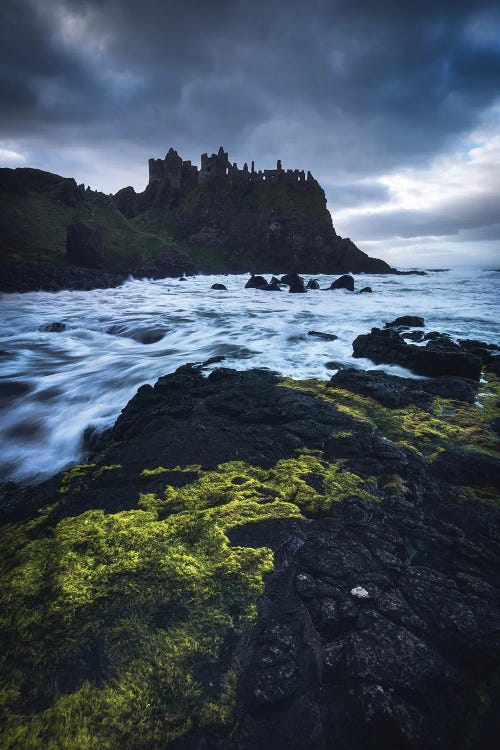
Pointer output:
182, 175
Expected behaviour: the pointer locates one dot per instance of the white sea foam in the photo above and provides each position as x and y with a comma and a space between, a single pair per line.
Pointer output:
54, 385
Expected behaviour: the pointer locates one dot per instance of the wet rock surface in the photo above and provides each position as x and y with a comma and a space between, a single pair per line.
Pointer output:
33, 276
377, 630
440, 356
412, 321
392, 390
343, 282
379, 623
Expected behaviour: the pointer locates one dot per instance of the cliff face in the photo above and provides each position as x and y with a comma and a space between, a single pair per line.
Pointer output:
246, 225
54, 234
271, 227
186, 220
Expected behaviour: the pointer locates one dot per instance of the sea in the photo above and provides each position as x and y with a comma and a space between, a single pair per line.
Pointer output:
56, 384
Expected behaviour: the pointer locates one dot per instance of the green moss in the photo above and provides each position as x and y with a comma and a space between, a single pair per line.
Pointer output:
73, 479
109, 622
178, 469
446, 423
105, 469
301, 485
145, 602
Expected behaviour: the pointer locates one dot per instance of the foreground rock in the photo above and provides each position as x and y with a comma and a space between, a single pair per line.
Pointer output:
148, 575
441, 357
392, 390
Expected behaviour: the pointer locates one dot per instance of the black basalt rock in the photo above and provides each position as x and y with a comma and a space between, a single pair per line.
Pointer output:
56, 327
394, 391
324, 336
411, 321
343, 282
439, 357
372, 638
274, 285
296, 284
256, 282
366, 290
220, 287
312, 284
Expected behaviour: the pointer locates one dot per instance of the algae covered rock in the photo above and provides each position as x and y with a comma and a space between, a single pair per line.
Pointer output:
192, 585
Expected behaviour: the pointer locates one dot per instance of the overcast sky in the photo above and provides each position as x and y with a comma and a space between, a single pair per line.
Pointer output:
393, 105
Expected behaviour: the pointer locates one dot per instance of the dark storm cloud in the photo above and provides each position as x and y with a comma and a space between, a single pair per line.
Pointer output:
348, 89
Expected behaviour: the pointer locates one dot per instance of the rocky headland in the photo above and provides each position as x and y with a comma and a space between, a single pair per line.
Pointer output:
55, 234
249, 561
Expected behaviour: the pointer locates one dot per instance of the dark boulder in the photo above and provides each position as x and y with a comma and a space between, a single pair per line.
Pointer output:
412, 321
312, 284
436, 358
84, 246
366, 290
296, 284
220, 287
343, 282
274, 285
324, 336
256, 282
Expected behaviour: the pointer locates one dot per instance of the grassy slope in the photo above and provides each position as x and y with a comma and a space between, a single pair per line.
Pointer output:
109, 621
33, 226
34, 221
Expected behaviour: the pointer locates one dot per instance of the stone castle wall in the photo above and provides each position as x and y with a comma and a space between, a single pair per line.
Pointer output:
182, 174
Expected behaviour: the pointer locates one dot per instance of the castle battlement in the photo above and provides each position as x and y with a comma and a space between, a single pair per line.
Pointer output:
182, 175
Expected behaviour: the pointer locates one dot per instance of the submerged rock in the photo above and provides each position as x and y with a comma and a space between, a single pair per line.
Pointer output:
366, 290
220, 287
324, 336
56, 327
